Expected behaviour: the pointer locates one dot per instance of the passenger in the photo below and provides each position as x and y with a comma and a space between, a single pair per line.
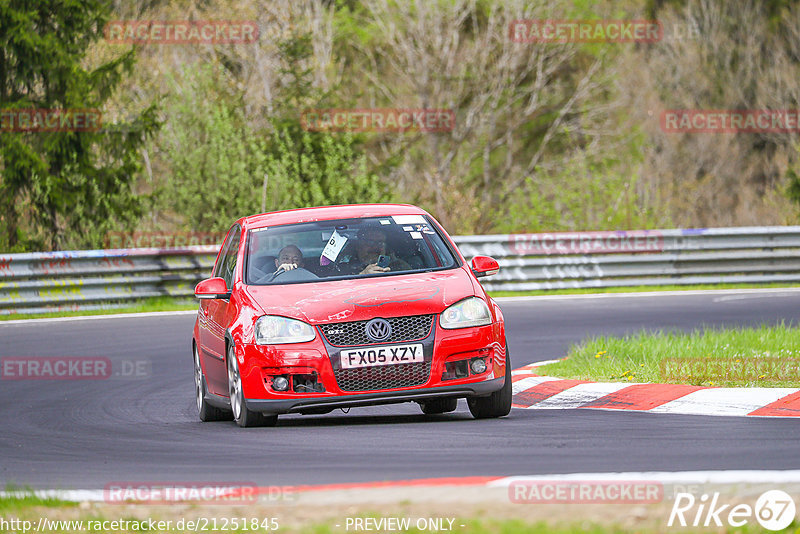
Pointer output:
370, 245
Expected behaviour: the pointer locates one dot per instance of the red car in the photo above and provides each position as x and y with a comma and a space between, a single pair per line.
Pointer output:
314, 309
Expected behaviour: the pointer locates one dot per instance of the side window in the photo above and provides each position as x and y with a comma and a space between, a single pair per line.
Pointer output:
226, 265
230, 259
221, 260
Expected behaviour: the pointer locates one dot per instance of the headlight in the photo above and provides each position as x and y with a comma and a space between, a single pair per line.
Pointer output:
469, 312
274, 330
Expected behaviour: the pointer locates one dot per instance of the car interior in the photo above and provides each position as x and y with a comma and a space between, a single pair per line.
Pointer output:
416, 249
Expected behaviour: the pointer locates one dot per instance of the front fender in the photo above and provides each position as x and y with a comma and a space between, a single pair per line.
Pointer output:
242, 330
500, 323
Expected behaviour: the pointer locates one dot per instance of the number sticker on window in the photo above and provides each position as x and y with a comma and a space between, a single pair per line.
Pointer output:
333, 248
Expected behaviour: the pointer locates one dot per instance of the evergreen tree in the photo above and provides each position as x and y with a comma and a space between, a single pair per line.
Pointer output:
63, 188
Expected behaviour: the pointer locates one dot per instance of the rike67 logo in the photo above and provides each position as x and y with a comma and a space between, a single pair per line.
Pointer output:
774, 510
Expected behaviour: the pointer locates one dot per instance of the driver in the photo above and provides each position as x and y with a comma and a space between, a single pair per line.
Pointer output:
370, 245
290, 257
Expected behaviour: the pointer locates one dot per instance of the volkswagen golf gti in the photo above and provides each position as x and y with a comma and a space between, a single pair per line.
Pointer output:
313, 309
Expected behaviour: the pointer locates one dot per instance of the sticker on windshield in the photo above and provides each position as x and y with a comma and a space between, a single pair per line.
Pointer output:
333, 248
385, 221
415, 235
409, 219
424, 228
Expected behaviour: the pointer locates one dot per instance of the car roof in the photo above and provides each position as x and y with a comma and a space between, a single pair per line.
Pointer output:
326, 213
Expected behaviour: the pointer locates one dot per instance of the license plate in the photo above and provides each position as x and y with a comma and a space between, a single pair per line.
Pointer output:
388, 355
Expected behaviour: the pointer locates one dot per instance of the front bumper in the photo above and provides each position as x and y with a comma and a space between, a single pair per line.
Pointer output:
321, 404
258, 364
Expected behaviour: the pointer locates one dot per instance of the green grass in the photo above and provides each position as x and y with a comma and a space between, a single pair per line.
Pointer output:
768, 356
21, 499
141, 306
634, 289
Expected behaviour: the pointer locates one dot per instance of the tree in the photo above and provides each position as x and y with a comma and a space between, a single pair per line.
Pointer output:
63, 188
793, 189
521, 110
218, 159
315, 167
215, 160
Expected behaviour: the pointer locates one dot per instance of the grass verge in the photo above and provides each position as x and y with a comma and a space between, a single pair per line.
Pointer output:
767, 356
490, 512
18, 500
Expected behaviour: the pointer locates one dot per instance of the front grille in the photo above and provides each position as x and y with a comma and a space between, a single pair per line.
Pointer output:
383, 376
354, 333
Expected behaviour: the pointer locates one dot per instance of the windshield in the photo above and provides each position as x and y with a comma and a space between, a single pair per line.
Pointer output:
345, 248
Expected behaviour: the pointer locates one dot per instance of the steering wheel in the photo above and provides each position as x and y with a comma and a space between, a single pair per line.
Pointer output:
295, 275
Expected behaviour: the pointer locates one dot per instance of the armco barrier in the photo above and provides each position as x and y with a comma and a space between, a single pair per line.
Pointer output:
97, 279
38, 282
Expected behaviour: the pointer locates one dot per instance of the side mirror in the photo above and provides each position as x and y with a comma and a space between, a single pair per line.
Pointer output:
484, 266
212, 288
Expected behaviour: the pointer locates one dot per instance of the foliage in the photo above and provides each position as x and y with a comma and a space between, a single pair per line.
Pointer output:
793, 189
217, 162
314, 168
582, 196
547, 136
319, 169
222, 168
63, 189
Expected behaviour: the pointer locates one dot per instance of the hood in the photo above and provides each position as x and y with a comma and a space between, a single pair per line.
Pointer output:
365, 298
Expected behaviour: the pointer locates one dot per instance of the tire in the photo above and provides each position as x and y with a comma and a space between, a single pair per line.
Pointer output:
437, 406
206, 411
498, 404
241, 414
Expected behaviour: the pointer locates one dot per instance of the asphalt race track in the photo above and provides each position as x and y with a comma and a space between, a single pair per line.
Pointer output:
87, 434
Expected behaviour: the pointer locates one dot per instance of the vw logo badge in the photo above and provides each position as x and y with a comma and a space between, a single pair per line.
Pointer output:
378, 330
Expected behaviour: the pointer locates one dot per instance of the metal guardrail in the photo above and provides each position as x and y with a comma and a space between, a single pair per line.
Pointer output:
96, 279
640, 258
41, 282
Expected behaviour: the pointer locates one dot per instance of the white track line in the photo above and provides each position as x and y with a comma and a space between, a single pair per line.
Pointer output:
64, 495
544, 362
95, 317
694, 477
652, 294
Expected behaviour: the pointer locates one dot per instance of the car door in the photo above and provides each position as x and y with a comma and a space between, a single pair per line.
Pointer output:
216, 316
